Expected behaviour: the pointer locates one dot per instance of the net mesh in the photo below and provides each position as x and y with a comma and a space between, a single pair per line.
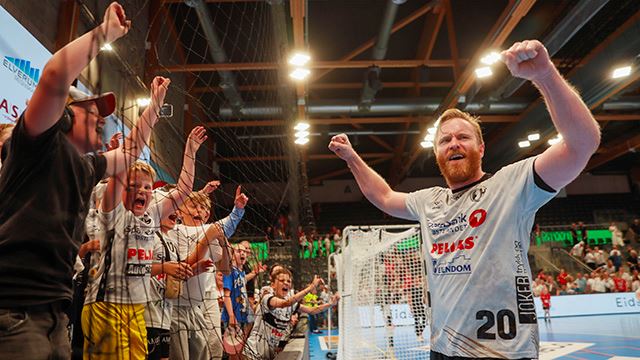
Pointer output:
381, 277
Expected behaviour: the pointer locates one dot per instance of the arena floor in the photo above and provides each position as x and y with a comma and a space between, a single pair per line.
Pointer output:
614, 337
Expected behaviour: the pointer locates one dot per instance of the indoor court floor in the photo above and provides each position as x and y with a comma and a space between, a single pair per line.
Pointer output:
614, 337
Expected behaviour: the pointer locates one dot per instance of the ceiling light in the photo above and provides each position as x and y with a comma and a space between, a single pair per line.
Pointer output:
106, 47
431, 130
621, 72
301, 126
426, 144
533, 137
491, 58
430, 137
299, 59
483, 72
300, 73
301, 141
142, 102
553, 141
524, 144
301, 134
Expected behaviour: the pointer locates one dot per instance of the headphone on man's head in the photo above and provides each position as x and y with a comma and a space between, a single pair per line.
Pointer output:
66, 120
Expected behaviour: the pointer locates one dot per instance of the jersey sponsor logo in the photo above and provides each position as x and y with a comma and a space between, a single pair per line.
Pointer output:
458, 265
140, 254
477, 193
455, 225
477, 217
139, 234
449, 247
524, 300
138, 269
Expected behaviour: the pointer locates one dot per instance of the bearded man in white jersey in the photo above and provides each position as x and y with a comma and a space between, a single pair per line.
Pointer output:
479, 226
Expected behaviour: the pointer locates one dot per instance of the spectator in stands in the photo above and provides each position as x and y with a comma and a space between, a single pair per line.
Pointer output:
600, 259
635, 281
598, 283
337, 238
583, 231
616, 235
538, 285
578, 250
574, 233
552, 285
619, 282
580, 284
565, 290
311, 301
609, 285
562, 277
616, 257
635, 227
609, 268
632, 259
541, 275
545, 298
327, 244
590, 259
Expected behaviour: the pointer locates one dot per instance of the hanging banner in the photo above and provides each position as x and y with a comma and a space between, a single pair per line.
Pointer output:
22, 58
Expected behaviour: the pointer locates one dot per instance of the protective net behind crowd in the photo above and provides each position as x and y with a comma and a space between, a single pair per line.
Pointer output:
382, 279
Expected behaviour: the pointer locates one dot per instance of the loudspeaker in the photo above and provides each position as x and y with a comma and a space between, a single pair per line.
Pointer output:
66, 120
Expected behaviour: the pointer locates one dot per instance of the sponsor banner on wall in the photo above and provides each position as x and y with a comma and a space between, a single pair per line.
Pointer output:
22, 58
591, 304
400, 315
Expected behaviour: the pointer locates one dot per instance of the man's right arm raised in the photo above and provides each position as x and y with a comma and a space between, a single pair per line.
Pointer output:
372, 185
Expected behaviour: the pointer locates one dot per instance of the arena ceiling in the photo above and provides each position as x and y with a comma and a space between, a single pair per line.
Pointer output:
234, 54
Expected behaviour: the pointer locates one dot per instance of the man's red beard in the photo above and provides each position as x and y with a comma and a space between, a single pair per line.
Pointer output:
459, 171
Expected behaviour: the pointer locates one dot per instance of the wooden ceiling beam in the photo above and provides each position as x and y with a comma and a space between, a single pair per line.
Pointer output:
510, 17
346, 170
369, 43
328, 86
328, 156
353, 64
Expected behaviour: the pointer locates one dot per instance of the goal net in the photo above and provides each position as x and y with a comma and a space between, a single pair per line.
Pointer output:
383, 312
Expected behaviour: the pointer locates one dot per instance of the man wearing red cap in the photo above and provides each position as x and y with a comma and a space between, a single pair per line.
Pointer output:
46, 182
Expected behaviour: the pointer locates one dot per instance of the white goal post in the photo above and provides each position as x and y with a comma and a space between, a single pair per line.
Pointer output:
381, 277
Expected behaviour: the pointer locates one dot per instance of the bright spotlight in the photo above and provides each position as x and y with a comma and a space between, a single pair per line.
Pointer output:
301, 126
524, 144
106, 47
301, 134
301, 141
431, 130
300, 73
621, 72
429, 137
426, 144
483, 72
142, 102
491, 58
533, 137
299, 59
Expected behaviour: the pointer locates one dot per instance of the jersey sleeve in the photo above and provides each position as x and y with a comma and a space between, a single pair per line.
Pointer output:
518, 179
416, 201
109, 218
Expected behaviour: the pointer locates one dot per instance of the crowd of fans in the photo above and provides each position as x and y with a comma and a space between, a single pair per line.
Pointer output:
311, 243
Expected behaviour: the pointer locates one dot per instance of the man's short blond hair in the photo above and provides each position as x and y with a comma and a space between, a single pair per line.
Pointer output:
451, 114
199, 198
142, 167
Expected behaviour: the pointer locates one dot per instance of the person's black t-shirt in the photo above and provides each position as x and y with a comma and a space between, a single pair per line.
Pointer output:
45, 186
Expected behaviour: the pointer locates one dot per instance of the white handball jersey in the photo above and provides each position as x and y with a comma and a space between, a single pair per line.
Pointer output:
271, 326
122, 272
157, 313
203, 286
476, 241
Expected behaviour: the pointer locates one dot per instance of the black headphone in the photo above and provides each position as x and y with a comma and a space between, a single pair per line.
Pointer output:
66, 120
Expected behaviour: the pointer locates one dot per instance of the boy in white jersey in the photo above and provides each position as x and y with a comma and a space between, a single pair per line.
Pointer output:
478, 227
112, 318
273, 315
167, 284
195, 328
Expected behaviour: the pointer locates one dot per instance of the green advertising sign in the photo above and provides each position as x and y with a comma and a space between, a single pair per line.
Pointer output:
594, 237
